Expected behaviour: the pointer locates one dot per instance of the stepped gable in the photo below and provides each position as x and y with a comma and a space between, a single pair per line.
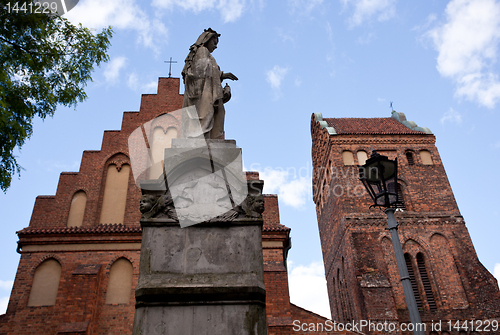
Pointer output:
86, 253
53, 211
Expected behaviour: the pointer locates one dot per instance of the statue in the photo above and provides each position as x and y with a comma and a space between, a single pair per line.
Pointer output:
203, 86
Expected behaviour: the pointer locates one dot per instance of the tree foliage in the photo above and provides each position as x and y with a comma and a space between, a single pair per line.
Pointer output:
45, 61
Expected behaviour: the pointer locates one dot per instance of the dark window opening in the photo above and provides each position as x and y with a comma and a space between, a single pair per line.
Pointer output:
401, 199
409, 158
426, 282
413, 281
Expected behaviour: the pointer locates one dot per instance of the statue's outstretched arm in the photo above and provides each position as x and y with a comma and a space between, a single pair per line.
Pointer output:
228, 75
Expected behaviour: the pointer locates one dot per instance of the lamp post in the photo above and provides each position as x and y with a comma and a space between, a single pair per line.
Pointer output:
380, 178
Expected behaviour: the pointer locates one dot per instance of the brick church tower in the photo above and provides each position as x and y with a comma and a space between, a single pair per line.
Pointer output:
80, 253
448, 280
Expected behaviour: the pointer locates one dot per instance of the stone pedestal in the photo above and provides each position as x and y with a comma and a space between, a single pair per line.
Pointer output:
208, 277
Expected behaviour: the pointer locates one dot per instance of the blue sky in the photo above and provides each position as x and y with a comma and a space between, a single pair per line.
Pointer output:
435, 60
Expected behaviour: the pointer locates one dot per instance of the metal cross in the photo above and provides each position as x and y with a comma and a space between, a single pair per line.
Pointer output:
170, 68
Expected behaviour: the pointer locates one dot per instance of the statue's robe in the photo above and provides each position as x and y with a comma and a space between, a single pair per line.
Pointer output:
203, 89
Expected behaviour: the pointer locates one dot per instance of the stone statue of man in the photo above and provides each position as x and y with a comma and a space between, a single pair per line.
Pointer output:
203, 85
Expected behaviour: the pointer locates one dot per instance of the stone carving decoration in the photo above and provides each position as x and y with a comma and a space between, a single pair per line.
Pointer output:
153, 207
203, 87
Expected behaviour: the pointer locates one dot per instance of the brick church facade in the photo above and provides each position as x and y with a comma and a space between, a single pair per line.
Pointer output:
448, 280
80, 253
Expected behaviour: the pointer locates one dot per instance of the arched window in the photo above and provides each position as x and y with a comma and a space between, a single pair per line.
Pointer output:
426, 157
120, 282
77, 209
115, 194
414, 285
409, 158
426, 282
45, 284
347, 157
362, 157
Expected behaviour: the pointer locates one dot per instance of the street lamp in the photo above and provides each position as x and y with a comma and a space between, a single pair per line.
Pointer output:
379, 175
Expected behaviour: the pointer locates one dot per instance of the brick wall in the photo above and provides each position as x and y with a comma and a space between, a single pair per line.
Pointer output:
357, 248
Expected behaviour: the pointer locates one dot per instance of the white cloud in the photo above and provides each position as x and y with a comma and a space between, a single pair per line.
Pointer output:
292, 191
231, 10
132, 81
303, 7
56, 166
366, 9
467, 45
151, 86
138, 85
120, 14
496, 272
428, 21
275, 76
4, 302
308, 289
366, 38
329, 31
113, 68
192, 5
452, 116
5, 285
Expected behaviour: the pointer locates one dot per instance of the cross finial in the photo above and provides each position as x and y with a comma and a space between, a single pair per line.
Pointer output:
170, 68
392, 109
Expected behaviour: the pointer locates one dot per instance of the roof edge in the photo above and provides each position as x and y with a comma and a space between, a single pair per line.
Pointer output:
401, 118
319, 118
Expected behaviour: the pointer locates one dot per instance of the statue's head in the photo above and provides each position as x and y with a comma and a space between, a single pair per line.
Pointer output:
147, 202
209, 39
208, 35
257, 203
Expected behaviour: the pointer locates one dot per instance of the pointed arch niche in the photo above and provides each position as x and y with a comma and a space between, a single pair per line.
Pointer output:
120, 282
162, 139
45, 283
447, 276
115, 190
77, 209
